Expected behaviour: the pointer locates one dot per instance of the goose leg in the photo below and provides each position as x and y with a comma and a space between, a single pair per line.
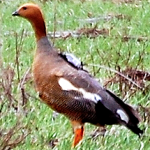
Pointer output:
78, 129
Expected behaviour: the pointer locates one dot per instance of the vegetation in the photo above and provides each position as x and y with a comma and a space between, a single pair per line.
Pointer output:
110, 37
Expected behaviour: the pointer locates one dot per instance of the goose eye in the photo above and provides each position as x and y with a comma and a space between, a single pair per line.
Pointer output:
24, 8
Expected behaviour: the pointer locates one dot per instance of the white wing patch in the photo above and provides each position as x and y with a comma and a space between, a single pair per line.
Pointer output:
66, 85
123, 115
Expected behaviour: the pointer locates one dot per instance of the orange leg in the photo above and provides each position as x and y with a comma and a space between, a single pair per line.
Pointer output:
78, 131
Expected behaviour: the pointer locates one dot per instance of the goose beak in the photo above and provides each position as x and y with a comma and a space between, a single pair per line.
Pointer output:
15, 13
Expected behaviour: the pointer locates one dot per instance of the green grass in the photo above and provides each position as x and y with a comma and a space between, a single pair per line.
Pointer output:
35, 118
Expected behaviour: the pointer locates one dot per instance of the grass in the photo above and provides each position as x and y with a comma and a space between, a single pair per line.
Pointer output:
31, 126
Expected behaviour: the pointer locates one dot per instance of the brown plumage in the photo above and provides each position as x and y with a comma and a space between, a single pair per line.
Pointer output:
70, 90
